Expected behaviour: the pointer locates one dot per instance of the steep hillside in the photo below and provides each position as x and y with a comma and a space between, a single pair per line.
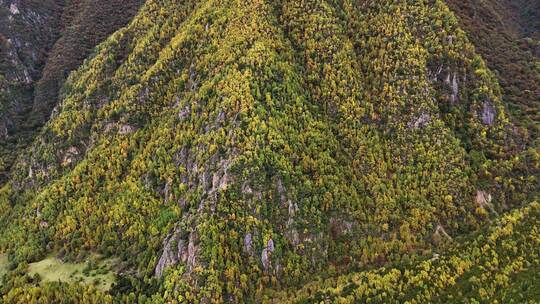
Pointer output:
41, 42
86, 23
500, 264
507, 34
27, 31
229, 150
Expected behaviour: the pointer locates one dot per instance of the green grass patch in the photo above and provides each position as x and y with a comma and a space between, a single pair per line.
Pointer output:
92, 272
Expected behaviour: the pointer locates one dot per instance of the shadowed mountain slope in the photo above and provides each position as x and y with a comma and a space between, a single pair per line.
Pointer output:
40, 43
506, 34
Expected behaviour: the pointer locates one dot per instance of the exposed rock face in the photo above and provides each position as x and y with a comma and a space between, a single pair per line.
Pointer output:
191, 256
281, 191
483, 198
420, 122
451, 83
4, 126
179, 247
488, 113
293, 236
120, 128
169, 256
266, 253
340, 226
43, 224
14, 9
454, 98
440, 234
70, 156
126, 129
246, 188
248, 244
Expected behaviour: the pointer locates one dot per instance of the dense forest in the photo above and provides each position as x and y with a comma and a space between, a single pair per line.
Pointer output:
255, 151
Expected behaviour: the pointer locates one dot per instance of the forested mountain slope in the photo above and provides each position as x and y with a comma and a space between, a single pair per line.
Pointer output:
40, 43
27, 31
234, 151
507, 34
499, 264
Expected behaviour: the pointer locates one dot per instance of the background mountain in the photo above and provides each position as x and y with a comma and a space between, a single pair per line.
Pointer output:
274, 151
506, 34
41, 42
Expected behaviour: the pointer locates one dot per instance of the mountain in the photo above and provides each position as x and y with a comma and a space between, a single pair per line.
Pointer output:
26, 33
278, 151
506, 34
464, 274
41, 42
